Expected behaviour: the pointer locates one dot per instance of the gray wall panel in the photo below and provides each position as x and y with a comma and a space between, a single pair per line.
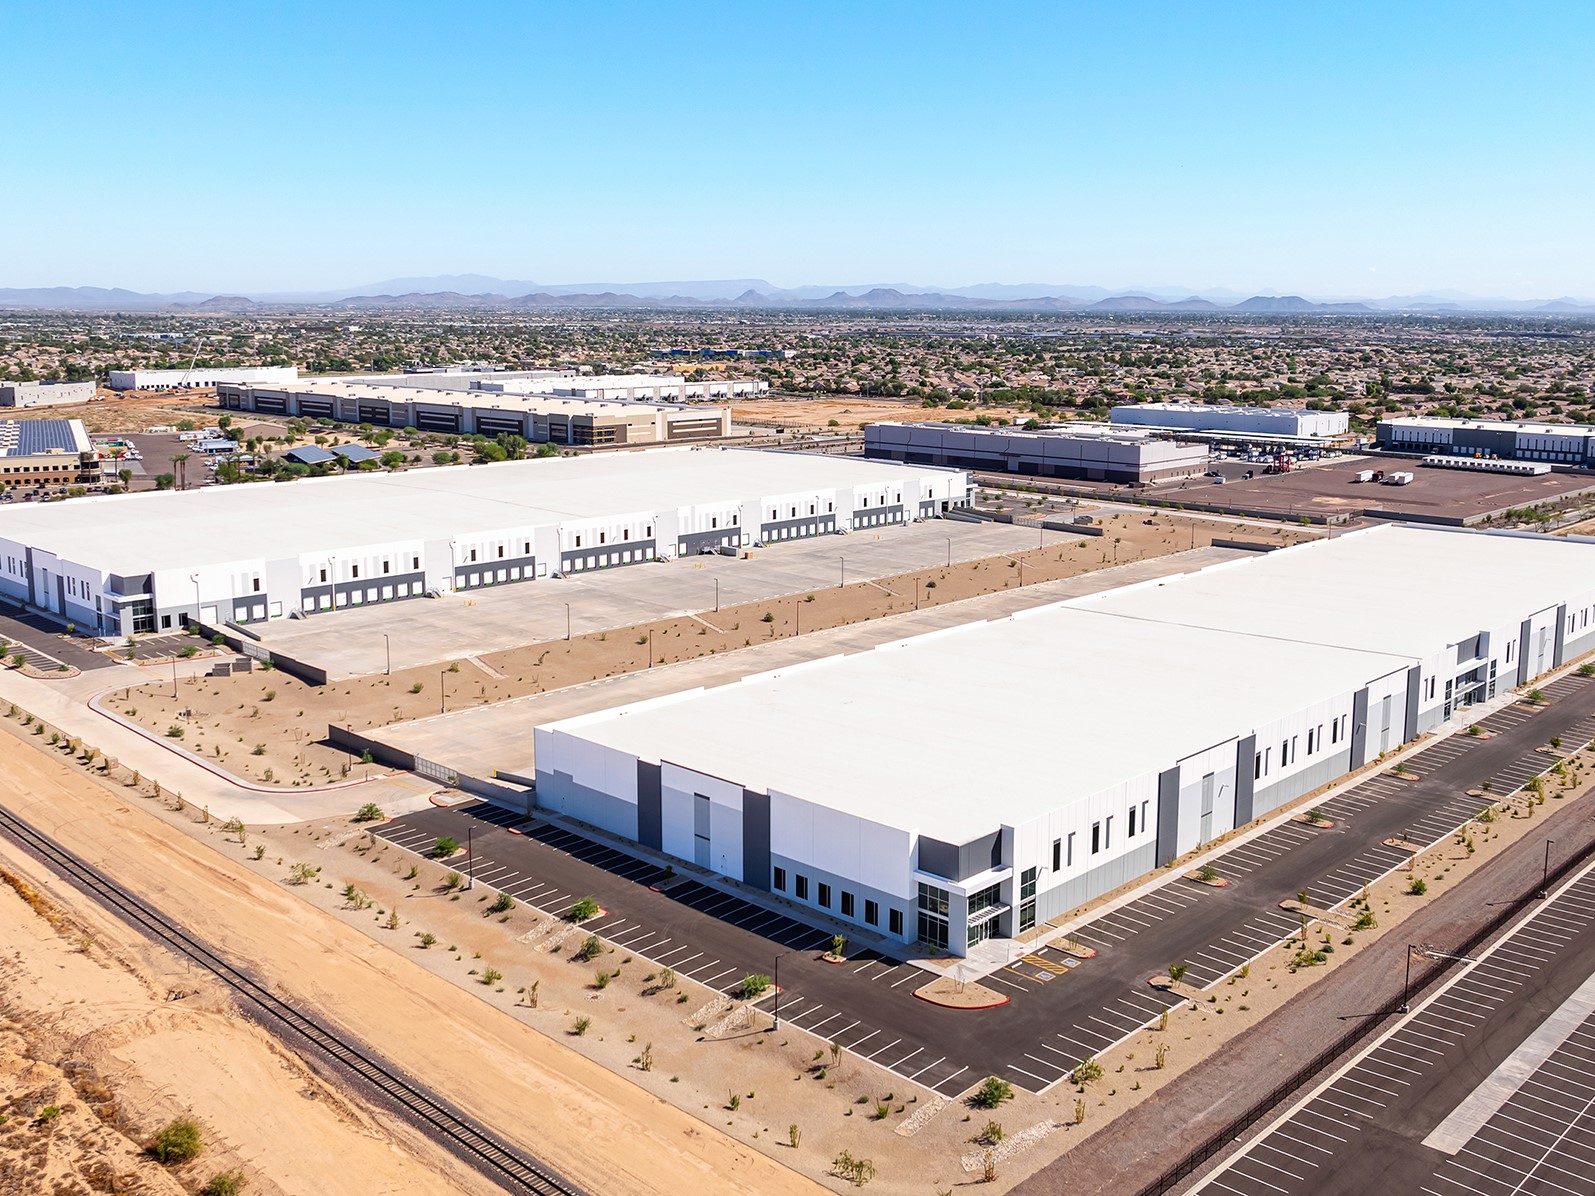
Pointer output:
650, 807
756, 839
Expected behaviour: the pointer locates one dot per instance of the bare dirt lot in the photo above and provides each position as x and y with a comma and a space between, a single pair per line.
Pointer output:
604, 1133
849, 413
107, 1040
115, 411
269, 727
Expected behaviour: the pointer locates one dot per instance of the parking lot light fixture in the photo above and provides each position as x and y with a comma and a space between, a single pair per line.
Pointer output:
567, 622
775, 978
1545, 877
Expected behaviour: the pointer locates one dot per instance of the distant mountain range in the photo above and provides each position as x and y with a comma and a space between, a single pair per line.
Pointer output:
484, 292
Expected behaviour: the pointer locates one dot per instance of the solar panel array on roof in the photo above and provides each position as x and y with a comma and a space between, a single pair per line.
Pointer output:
26, 437
354, 452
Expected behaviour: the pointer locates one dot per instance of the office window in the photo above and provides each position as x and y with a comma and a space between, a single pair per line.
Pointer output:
800, 887
779, 880
1096, 837
847, 904
387, 566
1144, 823
602, 537
415, 561
872, 912
1107, 831
1068, 855
1257, 767
894, 921
1132, 822
1057, 855
825, 895
500, 557
578, 541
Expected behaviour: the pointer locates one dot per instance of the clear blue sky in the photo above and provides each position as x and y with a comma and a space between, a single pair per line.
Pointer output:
1368, 148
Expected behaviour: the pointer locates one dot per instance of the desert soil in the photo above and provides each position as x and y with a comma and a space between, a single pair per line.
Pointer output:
106, 1039
269, 728
607, 1135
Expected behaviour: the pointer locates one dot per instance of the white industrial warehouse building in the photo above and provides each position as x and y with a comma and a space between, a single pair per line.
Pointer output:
1087, 451
265, 375
1127, 728
540, 414
1291, 422
137, 563
1508, 440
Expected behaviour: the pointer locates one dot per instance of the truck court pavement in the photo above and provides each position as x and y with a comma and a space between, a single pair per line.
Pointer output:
1060, 1012
1487, 1089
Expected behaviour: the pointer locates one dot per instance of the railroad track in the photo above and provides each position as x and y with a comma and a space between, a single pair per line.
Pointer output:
466, 1139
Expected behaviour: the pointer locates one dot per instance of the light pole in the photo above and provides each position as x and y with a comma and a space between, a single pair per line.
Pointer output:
567, 622
777, 981
1545, 878
949, 552
717, 595
844, 572
470, 861
443, 700
387, 648
1406, 985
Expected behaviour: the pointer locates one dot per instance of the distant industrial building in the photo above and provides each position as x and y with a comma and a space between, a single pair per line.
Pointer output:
540, 417
265, 375
45, 394
655, 387
138, 563
1248, 422
51, 452
1136, 725
1508, 440
1086, 451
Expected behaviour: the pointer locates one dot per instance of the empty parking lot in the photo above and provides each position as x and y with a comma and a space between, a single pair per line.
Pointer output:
357, 641
1485, 1090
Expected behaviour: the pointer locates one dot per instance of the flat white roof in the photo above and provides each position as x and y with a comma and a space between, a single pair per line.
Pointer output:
1490, 425
954, 732
1396, 588
138, 533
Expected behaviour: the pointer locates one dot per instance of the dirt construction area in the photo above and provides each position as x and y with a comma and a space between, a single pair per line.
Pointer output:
269, 728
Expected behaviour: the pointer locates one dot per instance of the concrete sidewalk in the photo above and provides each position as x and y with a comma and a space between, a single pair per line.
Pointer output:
64, 705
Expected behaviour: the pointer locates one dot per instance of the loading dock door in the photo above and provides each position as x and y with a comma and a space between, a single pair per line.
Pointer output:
1384, 725
1539, 651
1207, 809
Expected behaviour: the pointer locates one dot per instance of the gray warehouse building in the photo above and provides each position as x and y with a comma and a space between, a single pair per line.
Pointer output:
1507, 440
1090, 452
1136, 725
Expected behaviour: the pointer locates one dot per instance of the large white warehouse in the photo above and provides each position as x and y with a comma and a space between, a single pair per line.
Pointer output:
1510, 440
1134, 726
1248, 421
264, 375
137, 563
1088, 451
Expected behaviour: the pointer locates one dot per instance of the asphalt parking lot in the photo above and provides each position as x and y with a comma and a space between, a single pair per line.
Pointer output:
1485, 1089
1059, 1012
354, 642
